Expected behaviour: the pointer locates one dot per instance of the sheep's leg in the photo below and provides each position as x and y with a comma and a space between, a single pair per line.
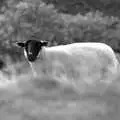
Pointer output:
33, 71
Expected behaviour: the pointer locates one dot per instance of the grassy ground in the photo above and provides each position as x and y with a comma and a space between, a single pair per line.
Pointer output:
44, 98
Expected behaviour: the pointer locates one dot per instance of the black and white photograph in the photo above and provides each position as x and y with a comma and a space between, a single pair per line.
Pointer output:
59, 59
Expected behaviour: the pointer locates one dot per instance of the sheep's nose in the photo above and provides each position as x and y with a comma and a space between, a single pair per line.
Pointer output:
31, 58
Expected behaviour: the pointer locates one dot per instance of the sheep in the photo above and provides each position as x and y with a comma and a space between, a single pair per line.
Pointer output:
78, 61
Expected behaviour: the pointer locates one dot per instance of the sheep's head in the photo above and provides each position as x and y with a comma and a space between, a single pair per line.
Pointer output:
32, 48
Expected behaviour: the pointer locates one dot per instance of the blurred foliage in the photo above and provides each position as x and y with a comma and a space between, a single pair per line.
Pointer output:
108, 7
21, 20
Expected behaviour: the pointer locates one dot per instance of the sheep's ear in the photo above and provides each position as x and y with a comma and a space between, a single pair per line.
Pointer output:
20, 44
44, 43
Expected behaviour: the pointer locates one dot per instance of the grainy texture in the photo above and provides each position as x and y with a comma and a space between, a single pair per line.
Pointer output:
47, 99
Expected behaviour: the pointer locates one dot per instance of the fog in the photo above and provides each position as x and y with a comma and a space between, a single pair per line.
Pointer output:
23, 97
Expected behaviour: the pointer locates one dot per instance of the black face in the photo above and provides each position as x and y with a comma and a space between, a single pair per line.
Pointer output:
32, 48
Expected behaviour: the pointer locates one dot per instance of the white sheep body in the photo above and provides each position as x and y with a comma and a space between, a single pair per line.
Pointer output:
78, 61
